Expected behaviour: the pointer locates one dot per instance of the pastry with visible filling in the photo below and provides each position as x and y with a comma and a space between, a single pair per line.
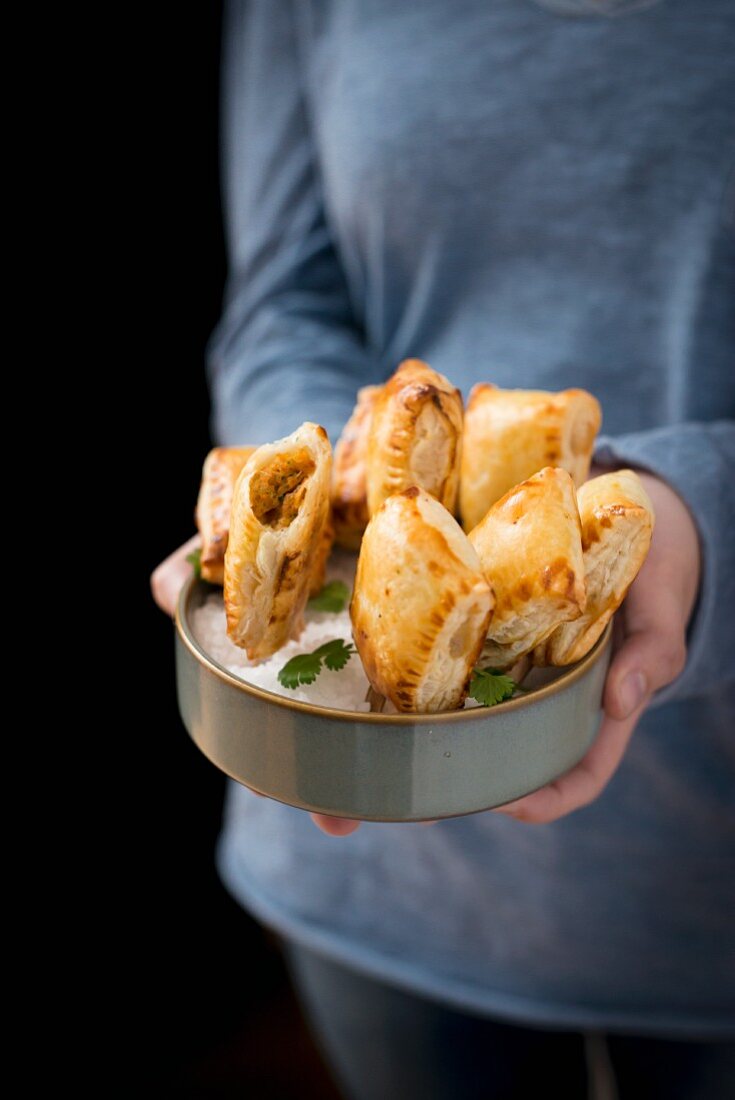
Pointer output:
349, 477
415, 436
279, 511
324, 549
421, 606
221, 470
530, 547
617, 525
509, 435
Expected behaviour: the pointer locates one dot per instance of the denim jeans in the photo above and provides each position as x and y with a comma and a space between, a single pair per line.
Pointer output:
386, 1044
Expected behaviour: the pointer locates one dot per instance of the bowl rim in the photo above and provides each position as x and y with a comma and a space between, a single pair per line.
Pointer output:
565, 680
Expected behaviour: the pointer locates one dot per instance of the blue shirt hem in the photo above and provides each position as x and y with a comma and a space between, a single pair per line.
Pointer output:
397, 972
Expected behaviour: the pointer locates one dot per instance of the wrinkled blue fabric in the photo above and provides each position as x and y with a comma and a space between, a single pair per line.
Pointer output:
538, 195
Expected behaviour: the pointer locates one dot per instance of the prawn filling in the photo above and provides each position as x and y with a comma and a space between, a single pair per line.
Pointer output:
277, 489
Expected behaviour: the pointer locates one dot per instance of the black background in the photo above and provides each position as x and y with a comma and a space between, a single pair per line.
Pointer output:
198, 1002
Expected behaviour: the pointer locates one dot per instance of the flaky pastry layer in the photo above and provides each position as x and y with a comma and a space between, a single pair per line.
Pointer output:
279, 512
415, 436
617, 526
530, 548
221, 470
421, 605
509, 435
349, 478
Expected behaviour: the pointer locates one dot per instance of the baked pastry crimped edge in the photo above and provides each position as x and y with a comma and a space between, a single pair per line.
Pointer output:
509, 435
421, 606
617, 526
415, 436
349, 477
530, 547
221, 470
271, 554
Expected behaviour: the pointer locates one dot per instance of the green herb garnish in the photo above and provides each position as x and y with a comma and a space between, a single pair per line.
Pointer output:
489, 687
333, 597
305, 668
195, 560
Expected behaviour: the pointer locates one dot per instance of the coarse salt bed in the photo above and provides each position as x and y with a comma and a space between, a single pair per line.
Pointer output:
343, 690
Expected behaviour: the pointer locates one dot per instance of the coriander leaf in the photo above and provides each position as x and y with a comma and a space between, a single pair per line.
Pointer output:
333, 597
305, 668
195, 560
336, 654
490, 687
302, 669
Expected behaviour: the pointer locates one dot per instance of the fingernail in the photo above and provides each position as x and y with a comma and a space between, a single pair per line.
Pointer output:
632, 692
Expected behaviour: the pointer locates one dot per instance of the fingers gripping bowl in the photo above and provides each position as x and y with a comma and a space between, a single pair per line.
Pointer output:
442, 616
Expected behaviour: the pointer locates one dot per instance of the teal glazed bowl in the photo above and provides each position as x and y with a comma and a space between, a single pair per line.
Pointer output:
380, 767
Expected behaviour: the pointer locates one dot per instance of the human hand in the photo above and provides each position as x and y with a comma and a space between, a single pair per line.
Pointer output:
168, 578
650, 652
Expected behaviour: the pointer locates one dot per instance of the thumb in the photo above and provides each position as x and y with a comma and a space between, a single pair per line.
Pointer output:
170, 576
653, 652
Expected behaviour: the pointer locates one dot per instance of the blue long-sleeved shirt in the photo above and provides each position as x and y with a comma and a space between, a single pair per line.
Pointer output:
537, 200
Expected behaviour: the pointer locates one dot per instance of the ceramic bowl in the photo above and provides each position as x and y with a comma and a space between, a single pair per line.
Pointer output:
380, 767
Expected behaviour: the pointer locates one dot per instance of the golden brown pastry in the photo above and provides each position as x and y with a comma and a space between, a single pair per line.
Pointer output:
222, 468
323, 550
530, 547
279, 509
415, 436
349, 477
421, 606
617, 525
511, 434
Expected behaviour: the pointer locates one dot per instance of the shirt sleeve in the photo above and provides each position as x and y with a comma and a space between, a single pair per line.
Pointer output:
287, 348
697, 461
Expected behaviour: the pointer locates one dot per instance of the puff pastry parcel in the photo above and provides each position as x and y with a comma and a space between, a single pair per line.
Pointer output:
617, 525
511, 434
530, 547
321, 557
421, 605
279, 509
349, 477
222, 468
415, 436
